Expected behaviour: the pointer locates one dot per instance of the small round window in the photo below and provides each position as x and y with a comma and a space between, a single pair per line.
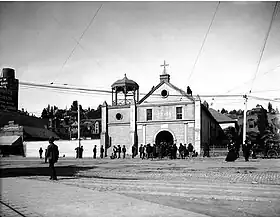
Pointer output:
164, 93
119, 116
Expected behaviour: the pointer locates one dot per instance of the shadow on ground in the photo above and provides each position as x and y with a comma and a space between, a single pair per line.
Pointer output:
42, 171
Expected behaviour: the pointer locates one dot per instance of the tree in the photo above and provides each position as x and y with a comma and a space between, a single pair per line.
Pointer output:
239, 112
223, 111
44, 114
269, 107
233, 112
231, 133
74, 106
262, 123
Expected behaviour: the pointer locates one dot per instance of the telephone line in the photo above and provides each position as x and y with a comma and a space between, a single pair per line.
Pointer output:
73, 50
265, 42
204, 40
107, 91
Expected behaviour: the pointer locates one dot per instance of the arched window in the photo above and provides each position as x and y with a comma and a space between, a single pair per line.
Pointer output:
96, 127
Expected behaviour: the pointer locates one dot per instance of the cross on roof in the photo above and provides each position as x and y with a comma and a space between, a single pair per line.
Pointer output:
164, 65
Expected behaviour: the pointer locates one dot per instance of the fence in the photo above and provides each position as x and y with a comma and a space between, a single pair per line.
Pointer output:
66, 147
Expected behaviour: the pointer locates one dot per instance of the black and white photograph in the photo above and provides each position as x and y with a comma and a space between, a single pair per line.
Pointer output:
140, 108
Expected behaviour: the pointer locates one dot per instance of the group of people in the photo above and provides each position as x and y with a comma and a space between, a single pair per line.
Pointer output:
163, 149
234, 148
117, 150
79, 152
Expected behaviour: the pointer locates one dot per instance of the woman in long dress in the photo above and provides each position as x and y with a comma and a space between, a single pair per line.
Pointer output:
231, 156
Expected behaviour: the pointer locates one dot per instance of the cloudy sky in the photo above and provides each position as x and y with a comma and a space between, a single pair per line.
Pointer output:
36, 39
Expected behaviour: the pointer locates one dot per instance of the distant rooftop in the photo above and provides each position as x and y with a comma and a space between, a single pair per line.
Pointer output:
221, 118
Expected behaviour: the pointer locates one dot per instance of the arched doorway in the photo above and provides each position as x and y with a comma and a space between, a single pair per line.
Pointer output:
164, 136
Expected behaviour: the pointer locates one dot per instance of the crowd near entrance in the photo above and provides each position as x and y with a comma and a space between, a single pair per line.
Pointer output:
164, 137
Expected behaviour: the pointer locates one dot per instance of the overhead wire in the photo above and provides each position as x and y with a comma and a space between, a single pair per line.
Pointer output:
87, 27
34, 85
264, 45
204, 40
265, 73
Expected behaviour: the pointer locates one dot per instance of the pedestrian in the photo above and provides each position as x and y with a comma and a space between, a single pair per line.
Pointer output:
133, 151
94, 152
181, 150
141, 151
144, 151
175, 149
52, 155
246, 150
124, 151
101, 151
206, 150
186, 152
190, 149
119, 151
40, 152
231, 156
81, 152
77, 152
115, 150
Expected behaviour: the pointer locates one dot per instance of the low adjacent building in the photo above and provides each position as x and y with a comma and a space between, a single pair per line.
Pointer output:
223, 120
13, 136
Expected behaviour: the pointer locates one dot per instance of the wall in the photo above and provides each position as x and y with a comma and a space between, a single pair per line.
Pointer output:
66, 147
166, 112
210, 129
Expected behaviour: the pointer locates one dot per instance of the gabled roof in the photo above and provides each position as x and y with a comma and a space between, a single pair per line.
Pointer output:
38, 133
221, 118
8, 140
183, 93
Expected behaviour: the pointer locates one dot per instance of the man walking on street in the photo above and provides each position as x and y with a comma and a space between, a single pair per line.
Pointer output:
94, 152
246, 150
101, 151
133, 151
119, 151
52, 155
141, 150
40, 152
124, 151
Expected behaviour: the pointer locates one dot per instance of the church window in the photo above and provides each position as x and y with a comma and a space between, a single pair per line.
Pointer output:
149, 114
96, 127
179, 113
119, 116
164, 93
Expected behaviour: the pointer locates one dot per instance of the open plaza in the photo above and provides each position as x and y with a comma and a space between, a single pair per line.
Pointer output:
135, 187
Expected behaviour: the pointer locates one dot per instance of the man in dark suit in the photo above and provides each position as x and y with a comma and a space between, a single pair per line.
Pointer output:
52, 155
94, 152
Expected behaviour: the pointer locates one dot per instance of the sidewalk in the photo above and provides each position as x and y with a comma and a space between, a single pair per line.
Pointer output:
50, 198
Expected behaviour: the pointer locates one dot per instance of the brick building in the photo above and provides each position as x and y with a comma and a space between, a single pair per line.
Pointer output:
166, 113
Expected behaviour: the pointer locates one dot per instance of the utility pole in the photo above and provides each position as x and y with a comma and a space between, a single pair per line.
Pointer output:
244, 119
79, 140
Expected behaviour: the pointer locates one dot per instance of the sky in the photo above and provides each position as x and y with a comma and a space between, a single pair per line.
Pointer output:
37, 38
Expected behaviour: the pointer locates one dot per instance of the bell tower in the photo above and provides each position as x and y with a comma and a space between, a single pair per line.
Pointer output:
125, 92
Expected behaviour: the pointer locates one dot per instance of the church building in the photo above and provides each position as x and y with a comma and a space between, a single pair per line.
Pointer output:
166, 114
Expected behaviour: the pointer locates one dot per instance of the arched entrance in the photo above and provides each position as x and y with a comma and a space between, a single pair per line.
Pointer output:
164, 136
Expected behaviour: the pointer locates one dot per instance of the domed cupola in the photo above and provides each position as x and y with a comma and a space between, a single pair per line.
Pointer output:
124, 91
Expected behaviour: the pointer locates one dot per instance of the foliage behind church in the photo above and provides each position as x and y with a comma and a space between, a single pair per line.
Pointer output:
64, 121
